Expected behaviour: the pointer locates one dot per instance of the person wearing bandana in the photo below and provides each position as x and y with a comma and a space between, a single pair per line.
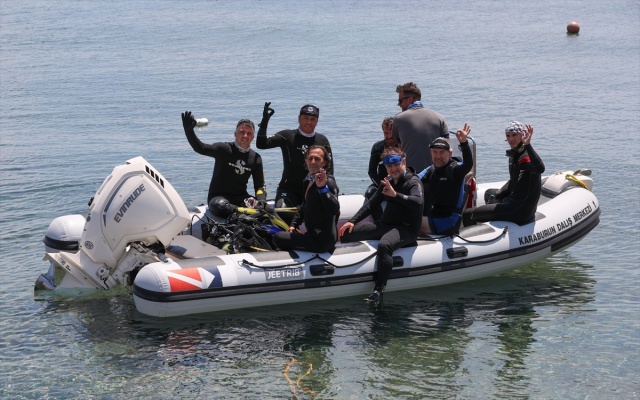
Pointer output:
319, 211
293, 143
401, 218
517, 200
416, 126
235, 163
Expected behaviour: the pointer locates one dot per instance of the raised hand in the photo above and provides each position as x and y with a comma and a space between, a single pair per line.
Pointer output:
461, 134
528, 133
321, 178
388, 190
188, 121
267, 111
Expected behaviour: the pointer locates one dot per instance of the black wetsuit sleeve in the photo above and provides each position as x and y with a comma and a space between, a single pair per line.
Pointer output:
211, 150
374, 162
412, 200
536, 163
467, 161
503, 192
264, 142
330, 199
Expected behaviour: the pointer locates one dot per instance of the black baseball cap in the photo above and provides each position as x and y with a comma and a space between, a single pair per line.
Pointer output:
310, 109
440, 143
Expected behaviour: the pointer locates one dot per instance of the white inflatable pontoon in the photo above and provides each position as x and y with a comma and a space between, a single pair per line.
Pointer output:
138, 233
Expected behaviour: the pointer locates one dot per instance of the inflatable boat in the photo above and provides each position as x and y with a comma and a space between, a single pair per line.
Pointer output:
138, 233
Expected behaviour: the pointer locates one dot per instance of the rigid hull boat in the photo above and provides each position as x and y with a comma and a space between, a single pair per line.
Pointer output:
139, 233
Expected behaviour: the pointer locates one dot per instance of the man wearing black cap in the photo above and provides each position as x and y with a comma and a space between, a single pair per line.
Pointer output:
401, 218
443, 183
293, 143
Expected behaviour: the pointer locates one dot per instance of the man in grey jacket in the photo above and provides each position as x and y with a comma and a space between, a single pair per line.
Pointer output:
415, 127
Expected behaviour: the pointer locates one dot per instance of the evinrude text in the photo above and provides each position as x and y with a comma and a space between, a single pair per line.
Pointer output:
125, 206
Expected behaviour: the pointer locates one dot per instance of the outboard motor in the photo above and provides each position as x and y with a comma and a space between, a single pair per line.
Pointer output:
134, 209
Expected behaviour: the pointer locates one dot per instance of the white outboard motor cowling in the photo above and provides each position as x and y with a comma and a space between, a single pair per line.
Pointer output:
135, 203
134, 208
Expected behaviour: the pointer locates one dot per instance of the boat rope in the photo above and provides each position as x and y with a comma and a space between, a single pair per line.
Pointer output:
434, 238
291, 386
503, 233
244, 261
316, 256
370, 256
575, 180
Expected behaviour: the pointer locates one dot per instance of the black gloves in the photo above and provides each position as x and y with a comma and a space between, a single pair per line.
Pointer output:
266, 115
188, 121
267, 112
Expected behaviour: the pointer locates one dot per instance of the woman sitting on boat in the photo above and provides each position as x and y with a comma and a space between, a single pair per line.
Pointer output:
518, 199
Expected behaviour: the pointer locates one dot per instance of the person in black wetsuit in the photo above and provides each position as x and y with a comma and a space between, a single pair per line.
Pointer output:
377, 171
443, 183
401, 218
319, 211
235, 163
293, 143
517, 200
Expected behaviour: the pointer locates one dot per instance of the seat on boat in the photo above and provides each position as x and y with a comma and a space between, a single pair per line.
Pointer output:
536, 217
187, 246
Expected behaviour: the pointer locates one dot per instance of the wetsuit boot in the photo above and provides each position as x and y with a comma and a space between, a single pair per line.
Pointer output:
376, 296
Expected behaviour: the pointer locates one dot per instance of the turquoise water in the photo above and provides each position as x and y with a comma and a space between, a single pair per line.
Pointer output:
88, 85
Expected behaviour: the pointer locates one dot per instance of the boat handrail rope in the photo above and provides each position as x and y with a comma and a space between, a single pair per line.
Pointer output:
434, 238
575, 180
316, 256
504, 232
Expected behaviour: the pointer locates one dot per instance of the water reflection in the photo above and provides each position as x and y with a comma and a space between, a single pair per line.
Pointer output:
423, 341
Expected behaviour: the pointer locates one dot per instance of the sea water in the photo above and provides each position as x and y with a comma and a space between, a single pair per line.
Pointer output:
86, 85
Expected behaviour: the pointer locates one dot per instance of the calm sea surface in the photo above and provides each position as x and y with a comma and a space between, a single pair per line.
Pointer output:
86, 85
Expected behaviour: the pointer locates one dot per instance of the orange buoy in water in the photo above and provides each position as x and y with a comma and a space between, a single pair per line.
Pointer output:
573, 28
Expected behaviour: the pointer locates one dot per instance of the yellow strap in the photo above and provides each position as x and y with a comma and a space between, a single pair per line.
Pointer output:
286, 209
575, 180
247, 210
258, 248
279, 223
274, 219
